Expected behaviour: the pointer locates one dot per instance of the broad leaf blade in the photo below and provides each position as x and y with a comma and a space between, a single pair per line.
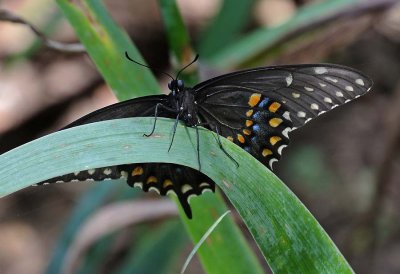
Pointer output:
287, 234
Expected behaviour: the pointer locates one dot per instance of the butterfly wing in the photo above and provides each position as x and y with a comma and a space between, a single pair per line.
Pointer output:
257, 108
137, 107
164, 178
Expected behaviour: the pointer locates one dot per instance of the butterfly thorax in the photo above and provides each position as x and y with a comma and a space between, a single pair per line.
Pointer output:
187, 107
183, 101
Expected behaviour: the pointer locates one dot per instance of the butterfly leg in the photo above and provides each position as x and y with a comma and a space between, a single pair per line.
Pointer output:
159, 105
218, 140
198, 146
222, 147
174, 130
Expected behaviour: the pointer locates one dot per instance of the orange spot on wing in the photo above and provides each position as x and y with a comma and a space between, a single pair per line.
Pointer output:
274, 122
274, 107
240, 138
274, 139
266, 152
249, 123
151, 179
254, 99
137, 171
167, 183
246, 131
249, 113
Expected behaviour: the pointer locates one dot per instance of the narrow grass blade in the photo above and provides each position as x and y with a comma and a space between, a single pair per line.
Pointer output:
261, 39
106, 43
203, 238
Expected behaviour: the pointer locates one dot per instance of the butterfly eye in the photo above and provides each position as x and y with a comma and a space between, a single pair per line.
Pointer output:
170, 85
180, 84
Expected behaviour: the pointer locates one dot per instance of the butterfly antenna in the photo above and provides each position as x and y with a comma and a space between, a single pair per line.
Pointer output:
143, 65
182, 69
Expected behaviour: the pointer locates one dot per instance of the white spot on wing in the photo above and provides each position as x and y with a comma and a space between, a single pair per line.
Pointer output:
328, 100
206, 190
91, 171
301, 114
360, 82
185, 188
286, 131
124, 174
273, 160
138, 184
314, 106
295, 95
308, 120
281, 148
289, 80
334, 80
286, 115
320, 70
154, 189
308, 89
322, 85
339, 94
107, 171
349, 88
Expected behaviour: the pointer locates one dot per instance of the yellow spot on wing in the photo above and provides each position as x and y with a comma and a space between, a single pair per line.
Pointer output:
274, 106
137, 171
240, 138
151, 179
266, 152
167, 183
254, 99
274, 139
274, 122
246, 131
249, 113
249, 123
230, 138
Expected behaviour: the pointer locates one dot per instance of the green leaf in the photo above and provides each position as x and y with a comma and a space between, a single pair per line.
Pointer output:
178, 38
106, 44
157, 251
287, 234
256, 42
225, 27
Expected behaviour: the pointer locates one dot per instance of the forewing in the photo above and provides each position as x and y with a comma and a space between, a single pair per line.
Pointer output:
306, 90
257, 108
137, 107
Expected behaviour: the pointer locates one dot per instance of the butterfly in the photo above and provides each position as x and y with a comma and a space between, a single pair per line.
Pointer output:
254, 108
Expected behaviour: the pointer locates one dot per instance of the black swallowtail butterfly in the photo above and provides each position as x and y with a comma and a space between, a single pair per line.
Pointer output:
255, 108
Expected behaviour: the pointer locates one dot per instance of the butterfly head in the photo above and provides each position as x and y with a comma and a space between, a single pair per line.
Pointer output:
176, 86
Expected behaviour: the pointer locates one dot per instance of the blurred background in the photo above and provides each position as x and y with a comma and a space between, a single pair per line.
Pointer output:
344, 166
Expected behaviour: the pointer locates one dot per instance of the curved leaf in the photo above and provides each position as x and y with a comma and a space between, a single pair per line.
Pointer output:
287, 234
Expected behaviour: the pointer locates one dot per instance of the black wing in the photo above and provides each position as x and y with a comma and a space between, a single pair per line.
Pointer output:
257, 108
164, 178
137, 107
